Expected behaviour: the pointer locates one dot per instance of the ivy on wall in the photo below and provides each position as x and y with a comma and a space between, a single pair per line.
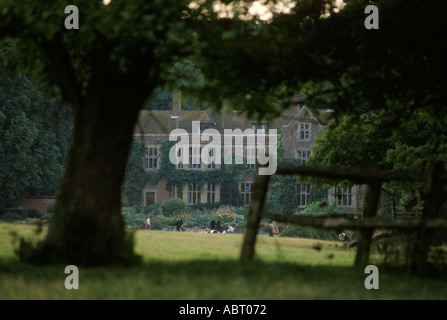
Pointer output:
282, 195
136, 178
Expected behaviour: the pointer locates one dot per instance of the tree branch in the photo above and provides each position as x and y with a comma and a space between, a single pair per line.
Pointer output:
64, 74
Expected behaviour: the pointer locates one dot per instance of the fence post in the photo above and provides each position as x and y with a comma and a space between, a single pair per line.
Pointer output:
434, 199
254, 216
365, 237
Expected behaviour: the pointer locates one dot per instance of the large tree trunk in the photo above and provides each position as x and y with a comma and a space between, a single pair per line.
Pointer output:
87, 227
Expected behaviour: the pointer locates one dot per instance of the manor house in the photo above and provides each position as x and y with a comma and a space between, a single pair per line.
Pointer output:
297, 128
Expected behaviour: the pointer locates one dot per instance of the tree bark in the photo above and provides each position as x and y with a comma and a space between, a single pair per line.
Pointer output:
254, 217
365, 236
435, 197
87, 227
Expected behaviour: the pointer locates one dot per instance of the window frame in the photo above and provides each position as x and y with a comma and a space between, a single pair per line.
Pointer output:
194, 193
299, 155
342, 196
211, 193
303, 194
304, 130
151, 160
246, 195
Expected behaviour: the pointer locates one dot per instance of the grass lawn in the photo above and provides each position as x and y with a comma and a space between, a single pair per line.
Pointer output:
197, 266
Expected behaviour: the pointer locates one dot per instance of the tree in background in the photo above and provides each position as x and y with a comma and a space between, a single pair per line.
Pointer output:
123, 51
104, 71
136, 177
35, 138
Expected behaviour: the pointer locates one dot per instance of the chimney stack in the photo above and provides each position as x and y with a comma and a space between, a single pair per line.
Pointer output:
176, 103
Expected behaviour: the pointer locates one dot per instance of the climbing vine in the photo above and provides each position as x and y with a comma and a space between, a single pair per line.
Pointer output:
282, 196
282, 192
136, 178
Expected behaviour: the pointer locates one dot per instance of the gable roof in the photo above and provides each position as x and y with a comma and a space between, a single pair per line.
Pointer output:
164, 121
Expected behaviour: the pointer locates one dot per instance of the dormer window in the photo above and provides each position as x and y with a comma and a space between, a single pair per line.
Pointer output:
259, 127
304, 131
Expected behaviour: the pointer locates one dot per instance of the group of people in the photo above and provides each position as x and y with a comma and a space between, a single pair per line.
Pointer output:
216, 227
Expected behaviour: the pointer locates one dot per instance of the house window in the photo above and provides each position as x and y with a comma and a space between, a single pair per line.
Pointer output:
212, 157
150, 198
259, 127
304, 131
195, 160
180, 158
246, 191
194, 192
302, 156
343, 196
211, 194
251, 157
151, 158
303, 193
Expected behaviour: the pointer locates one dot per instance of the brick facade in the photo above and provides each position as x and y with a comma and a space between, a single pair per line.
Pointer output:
42, 203
298, 127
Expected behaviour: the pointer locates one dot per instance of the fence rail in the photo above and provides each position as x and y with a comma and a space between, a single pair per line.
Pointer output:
349, 223
374, 178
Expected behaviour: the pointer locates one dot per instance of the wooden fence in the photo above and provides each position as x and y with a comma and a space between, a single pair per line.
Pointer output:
423, 226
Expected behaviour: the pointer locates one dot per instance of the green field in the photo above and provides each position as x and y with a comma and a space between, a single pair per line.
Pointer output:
205, 266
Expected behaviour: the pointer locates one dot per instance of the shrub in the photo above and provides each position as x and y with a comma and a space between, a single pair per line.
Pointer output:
205, 206
173, 207
201, 220
135, 221
309, 233
32, 213
158, 222
226, 214
46, 217
50, 208
13, 215
321, 208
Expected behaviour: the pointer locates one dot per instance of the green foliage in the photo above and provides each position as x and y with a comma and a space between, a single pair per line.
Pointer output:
282, 192
227, 215
136, 177
282, 196
389, 107
106, 70
201, 220
308, 233
319, 208
323, 208
135, 217
35, 135
318, 193
173, 207
204, 206
11, 216
162, 100
135, 220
